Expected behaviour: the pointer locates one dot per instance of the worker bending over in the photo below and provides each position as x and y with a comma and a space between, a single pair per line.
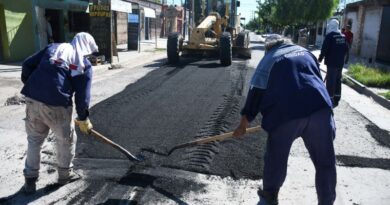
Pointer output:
288, 91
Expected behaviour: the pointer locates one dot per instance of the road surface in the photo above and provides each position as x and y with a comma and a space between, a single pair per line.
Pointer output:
158, 106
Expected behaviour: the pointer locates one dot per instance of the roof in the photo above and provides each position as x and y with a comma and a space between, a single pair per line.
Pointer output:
368, 3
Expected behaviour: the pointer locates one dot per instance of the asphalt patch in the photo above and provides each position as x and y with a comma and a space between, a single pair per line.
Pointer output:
365, 162
173, 105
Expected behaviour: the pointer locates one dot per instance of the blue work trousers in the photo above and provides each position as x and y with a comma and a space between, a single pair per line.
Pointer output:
333, 84
318, 133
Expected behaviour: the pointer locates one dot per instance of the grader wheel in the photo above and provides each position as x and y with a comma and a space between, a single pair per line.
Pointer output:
173, 47
225, 49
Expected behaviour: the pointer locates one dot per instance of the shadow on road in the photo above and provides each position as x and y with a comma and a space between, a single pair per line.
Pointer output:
209, 65
119, 201
354, 161
380, 135
258, 47
156, 63
20, 198
173, 190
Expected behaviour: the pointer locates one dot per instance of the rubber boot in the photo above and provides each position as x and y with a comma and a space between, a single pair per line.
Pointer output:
267, 198
29, 186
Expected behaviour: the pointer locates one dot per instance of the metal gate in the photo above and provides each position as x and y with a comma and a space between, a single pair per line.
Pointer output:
383, 52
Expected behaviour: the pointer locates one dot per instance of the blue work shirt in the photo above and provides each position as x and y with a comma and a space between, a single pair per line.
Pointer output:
54, 85
334, 48
294, 90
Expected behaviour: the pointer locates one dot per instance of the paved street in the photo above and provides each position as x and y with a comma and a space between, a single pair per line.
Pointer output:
158, 106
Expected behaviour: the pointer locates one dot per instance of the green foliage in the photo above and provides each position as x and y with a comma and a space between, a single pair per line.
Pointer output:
386, 95
370, 76
265, 12
253, 25
297, 12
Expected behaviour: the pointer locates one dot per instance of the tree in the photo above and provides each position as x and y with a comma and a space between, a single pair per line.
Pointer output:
280, 13
252, 25
265, 13
303, 11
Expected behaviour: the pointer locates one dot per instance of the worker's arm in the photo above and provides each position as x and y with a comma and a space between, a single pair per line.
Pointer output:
30, 64
325, 47
250, 110
82, 87
252, 104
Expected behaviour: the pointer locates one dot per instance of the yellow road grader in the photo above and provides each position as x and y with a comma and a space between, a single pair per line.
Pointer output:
216, 34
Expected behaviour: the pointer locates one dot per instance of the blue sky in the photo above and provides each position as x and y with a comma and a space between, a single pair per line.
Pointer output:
246, 9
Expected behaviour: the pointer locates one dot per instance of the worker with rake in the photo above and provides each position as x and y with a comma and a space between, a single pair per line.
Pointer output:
288, 90
51, 77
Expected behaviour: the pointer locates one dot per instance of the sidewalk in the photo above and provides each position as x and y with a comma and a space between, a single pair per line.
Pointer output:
362, 99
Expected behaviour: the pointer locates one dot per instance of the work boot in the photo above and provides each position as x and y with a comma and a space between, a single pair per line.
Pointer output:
71, 176
267, 198
29, 186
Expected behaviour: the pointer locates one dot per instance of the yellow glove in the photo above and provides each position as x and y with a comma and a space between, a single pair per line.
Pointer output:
85, 125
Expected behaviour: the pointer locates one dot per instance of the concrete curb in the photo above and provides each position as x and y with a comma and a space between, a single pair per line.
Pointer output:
362, 89
122, 64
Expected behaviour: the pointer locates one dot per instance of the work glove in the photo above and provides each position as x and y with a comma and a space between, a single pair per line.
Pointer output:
84, 125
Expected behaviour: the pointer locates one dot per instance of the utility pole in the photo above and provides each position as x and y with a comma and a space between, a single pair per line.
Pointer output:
185, 23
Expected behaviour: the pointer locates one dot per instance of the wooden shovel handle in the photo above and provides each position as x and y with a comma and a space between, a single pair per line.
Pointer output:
113, 144
216, 138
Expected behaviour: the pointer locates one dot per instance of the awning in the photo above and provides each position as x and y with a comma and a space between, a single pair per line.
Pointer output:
72, 5
149, 13
122, 6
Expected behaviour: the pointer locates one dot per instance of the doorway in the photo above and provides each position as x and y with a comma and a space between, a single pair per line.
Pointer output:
1, 48
54, 18
383, 52
1, 31
147, 28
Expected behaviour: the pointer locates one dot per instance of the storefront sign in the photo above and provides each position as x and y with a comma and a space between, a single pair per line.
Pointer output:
100, 10
100, 27
149, 13
122, 6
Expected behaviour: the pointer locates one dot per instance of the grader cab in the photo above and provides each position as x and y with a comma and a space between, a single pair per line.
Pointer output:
216, 34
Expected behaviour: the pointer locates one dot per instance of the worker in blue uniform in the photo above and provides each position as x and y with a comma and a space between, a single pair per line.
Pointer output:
288, 90
51, 77
334, 50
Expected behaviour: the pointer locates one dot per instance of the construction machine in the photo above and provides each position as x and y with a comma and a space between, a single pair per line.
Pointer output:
217, 33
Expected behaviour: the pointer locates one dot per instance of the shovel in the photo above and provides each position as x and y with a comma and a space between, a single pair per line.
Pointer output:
205, 140
96, 134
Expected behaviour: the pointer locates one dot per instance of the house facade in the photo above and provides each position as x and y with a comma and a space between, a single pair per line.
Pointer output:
370, 23
24, 25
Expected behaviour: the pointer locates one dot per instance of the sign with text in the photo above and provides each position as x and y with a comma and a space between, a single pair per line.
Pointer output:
100, 10
100, 26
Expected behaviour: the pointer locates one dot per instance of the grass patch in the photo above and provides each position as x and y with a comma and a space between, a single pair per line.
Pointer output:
386, 95
372, 77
